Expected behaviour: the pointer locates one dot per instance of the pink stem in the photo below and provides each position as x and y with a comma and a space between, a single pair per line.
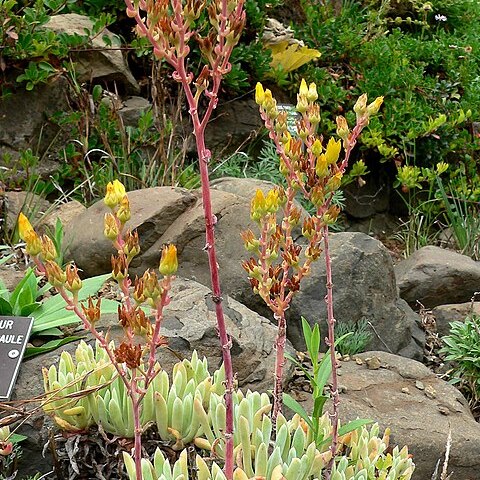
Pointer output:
280, 342
204, 157
330, 341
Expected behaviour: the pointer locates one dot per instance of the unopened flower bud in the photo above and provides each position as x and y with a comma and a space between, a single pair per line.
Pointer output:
33, 243
312, 94
259, 94
303, 90
374, 107
360, 107
168, 261
342, 127
24, 226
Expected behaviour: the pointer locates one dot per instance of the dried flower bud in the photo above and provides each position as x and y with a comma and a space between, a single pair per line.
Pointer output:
92, 311
124, 213
169, 261
73, 282
251, 243
49, 252
131, 247
55, 275
151, 287
138, 293
119, 267
110, 229
308, 228
129, 354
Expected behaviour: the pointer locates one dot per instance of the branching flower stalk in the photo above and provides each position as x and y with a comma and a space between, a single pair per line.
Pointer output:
315, 171
128, 358
169, 25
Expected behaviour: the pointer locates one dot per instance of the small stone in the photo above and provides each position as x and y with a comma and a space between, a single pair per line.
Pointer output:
430, 392
443, 410
358, 361
406, 390
342, 389
346, 358
419, 385
373, 363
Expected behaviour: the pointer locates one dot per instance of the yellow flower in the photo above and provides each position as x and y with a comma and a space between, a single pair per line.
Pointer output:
360, 108
374, 107
303, 91
24, 226
169, 261
257, 207
312, 92
271, 201
259, 94
321, 167
333, 151
115, 193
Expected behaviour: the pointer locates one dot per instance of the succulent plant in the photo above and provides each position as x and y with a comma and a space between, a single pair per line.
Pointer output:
68, 388
292, 459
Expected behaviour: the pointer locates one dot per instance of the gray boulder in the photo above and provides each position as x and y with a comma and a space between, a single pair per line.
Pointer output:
104, 62
364, 290
24, 122
435, 276
456, 312
417, 406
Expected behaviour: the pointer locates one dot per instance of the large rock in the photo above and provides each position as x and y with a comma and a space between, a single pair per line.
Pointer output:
435, 276
101, 64
420, 409
364, 289
154, 210
24, 120
189, 323
363, 270
455, 312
